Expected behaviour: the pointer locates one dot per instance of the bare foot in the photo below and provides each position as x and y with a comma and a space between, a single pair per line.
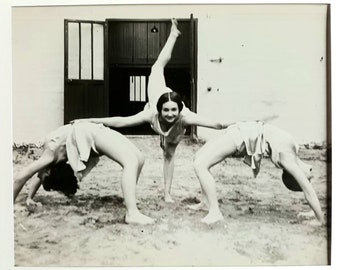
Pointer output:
168, 199
198, 206
174, 29
20, 208
138, 218
31, 202
212, 217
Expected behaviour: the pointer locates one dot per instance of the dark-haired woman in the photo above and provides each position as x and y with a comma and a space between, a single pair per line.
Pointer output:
80, 145
165, 112
253, 140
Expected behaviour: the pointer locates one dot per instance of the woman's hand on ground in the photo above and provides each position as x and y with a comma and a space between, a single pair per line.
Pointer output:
309, 217
31, 202
306, 215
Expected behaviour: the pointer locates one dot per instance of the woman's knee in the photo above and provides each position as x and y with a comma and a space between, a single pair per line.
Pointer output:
140, 157
131, 163
200, 165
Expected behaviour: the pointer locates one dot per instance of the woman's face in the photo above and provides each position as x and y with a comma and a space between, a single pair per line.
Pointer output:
170, 112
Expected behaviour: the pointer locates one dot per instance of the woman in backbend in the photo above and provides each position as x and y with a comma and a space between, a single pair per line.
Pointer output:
80, 145
252, 140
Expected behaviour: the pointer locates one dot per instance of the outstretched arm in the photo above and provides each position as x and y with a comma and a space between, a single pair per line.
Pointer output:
194, 119
313, 201
32, 191
264, 119
290, 164
119, 121
45, 160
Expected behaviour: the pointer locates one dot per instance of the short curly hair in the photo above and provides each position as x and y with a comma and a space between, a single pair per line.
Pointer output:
61, 178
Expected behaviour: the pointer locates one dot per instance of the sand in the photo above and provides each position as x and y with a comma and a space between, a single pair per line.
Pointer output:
260, 225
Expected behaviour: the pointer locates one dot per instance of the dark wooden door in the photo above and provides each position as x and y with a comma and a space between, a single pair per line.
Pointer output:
85, 94
133, 47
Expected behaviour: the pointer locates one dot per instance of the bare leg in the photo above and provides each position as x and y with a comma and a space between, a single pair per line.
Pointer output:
209, 155
119, 148
157, 86
168, 169
139, 155
291, 164
165, 54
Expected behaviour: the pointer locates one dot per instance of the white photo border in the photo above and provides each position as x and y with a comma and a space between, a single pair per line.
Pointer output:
6, 208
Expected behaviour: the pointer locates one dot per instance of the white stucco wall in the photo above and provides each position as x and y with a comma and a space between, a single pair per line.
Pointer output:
271, 63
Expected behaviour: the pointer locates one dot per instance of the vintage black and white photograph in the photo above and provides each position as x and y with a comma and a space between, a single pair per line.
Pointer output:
171, 135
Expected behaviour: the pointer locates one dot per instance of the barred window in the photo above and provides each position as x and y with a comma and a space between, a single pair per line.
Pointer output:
138, 88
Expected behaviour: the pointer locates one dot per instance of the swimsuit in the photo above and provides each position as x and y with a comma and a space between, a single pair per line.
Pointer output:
173, 135
79, 142
255, 139
157, 87
249, 141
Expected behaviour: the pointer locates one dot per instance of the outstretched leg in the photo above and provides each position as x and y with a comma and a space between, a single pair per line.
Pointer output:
120, 149
157, 86
292, 164
209, 155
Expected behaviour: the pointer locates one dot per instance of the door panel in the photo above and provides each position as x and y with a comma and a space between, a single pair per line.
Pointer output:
134, 42
156, 40
85, 94
84, 99
121, 42
140, 37
193, 70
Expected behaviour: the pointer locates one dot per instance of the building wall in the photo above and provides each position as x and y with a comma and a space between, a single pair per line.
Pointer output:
273, 61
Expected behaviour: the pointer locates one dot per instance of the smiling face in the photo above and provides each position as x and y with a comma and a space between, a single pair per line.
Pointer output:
170, 112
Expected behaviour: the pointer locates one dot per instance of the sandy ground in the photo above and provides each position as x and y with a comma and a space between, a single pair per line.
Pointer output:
260, 225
